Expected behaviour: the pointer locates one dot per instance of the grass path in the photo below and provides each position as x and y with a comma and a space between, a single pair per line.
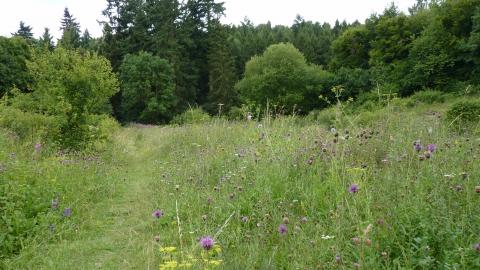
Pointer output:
114, 233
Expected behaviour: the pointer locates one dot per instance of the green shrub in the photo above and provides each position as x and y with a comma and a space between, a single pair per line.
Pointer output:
429, 96
464, 112
192, 117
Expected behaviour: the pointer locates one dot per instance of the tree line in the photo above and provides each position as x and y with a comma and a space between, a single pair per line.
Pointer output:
170, 55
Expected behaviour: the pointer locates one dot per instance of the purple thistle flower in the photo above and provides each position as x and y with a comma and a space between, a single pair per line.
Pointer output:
476, 247
337, 259
283, 229
52, 227
356, 265
67, 212
297, 228
304, 219
206, 243
244, 219
431, 147
38, 145
209, 199
309, 161
356, 240
418, 147
458, 187
353, 189
157, 213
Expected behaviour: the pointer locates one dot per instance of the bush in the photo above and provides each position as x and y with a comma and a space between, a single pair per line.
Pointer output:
429, 96
464, 112
192, 117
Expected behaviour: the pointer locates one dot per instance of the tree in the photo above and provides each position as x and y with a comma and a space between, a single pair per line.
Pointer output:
14, 53
24, 31
71, 30
351, 49
221, 66
147, 88
281, 77
198, 15
85, 39
73, 88
45, 42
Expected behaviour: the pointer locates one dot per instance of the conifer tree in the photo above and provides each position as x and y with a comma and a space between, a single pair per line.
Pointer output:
24, 31
221, 67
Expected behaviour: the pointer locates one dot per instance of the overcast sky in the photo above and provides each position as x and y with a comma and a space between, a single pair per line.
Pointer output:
47, 13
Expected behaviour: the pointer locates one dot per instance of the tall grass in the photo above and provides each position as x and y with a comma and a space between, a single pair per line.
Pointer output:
282, 193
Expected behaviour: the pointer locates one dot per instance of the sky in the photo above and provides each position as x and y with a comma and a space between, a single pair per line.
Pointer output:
47, 13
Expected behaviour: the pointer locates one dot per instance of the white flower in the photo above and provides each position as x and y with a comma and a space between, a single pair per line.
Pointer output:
260, 126
333, 130
327, 236
249, 117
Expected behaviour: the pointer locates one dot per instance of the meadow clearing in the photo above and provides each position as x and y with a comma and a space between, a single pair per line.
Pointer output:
394, 189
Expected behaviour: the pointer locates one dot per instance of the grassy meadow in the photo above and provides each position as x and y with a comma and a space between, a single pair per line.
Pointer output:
394, 189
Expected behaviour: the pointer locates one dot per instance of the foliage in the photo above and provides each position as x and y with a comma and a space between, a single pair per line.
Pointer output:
25, 31
191, 117
221, 68
351, 49
464, 112
14, 52
429, 96
147, 88
46, 41
281, 76
70, 86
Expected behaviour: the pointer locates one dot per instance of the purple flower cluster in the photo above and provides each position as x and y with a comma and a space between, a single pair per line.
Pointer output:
157, 213
206, 242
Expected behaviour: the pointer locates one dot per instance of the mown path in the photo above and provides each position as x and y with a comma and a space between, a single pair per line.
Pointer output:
115, 232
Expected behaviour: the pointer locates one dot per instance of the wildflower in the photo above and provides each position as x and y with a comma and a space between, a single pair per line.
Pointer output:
333, 130
304, 219
206, 243
356, 240
52, 227
440, 115
356, 265
431, 147
260, 126
418, 148
67, 212
157, 213
476, 247
209, 199
458, 187
38, 146
283, 229
384, 255
353, 189
309, 161
244, 219
297, 228
55, 203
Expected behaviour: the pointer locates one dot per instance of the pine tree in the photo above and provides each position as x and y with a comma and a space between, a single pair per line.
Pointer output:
69, 24
85, 39
25, 31
221, 68
46, 41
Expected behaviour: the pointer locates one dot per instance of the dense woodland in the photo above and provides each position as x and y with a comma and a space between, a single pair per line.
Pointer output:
167, 56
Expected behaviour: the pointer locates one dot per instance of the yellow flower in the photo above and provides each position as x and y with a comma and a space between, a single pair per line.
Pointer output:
167, 249
54, 180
